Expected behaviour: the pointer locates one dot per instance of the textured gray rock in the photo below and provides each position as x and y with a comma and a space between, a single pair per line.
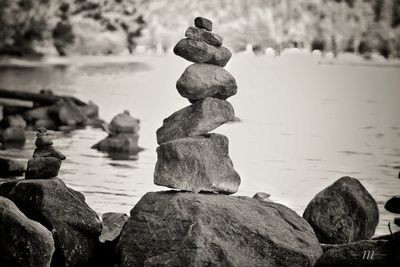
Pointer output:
112, 226
343, 212
23, 242
122, 142
12, 134
201, 52
366, 253
110, 234
202, 80
262, 196
185, 229
63, 211
203, 23
210, 38
43, 168
48, 152
393, 204
68, 113
124, 123
199, 118
197, 164
11, 168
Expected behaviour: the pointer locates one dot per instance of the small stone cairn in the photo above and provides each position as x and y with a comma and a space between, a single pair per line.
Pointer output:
123, 135
46, 161
189, 157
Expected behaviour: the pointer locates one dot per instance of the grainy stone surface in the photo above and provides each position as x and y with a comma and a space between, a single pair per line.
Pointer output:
343, 212
186, 229
199, 118
197, 164
68, 113
210, 38
262, 196
203, 23
122, 142
48, 152
112, 226
124, 123
63, 211
366, 253
201, 52
202, 80
23, 242
43, 168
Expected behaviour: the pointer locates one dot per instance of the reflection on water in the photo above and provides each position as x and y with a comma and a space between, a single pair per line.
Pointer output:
302, 126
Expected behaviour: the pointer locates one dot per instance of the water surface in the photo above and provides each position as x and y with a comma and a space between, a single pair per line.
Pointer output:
303, 125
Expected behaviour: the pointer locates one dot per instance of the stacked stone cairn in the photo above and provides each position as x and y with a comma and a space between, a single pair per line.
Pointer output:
200, 224
123, 135
189, 157
46, 161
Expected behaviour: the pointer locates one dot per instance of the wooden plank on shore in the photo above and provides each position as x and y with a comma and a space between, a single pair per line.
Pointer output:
45, 99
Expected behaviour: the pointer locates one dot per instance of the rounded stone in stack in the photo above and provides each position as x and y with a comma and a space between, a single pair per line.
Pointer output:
46, 160
199, 81
199, 118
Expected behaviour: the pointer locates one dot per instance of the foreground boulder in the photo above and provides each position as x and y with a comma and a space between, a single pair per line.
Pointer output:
23, 242
11, 168
199, 163
366, 253
201, 52
185, 229
199, 118
393, 204
63, 211
343, 212
202, 80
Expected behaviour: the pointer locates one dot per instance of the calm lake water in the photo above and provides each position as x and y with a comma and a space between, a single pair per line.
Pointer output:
303, 125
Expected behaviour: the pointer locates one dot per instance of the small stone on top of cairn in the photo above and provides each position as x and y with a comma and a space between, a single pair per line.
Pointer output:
203, 23
46, 161
189, 158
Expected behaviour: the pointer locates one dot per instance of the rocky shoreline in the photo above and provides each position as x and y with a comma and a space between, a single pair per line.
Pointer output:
43, 222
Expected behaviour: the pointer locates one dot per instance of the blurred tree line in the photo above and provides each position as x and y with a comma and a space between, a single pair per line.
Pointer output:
111, 26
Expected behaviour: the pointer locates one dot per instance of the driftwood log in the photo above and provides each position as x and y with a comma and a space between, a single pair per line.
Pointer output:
44, 99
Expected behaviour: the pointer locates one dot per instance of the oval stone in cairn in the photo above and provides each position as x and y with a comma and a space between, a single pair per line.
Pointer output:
202, 80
